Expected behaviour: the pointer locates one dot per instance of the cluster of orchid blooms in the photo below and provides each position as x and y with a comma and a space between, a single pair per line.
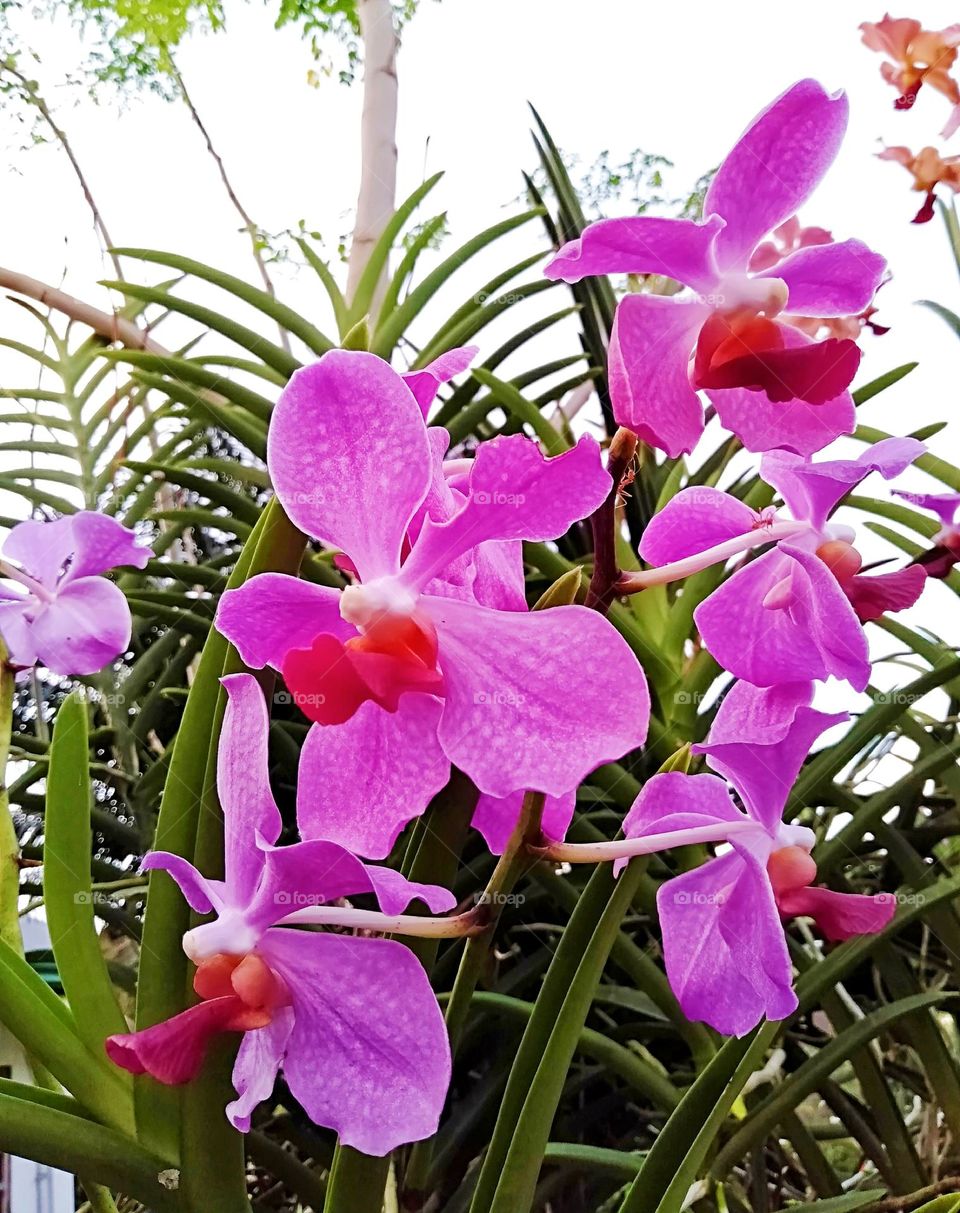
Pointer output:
916, 57
429, 658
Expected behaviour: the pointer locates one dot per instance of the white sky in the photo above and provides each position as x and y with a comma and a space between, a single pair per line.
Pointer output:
681, 79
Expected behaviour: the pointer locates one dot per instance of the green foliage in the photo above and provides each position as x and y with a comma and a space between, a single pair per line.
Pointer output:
578, 1085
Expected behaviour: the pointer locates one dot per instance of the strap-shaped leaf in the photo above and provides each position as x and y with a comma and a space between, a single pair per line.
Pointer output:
68, 895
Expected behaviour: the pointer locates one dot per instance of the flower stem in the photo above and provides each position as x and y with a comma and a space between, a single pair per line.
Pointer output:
28, 582
9, 844
628, 848
512, 864
470, 923
633, 583
606, 572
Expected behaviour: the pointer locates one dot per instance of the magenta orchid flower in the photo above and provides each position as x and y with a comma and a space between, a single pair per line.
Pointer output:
54, 605
350, 1020
786, 616
430, 658
723, 941
770, 383
945, 553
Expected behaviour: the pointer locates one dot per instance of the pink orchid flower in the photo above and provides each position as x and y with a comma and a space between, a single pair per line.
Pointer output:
723, 941
430, 658
918, 56
350, 1020
786, 616
945, 553
770, 384
54, 605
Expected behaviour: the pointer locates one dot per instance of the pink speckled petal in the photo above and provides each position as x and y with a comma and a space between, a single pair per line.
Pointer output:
273, 613
784, 618
724, 947
496, 817
774, 167
642, 244
830, 279
348, 456
368, 1054
523, 707
426, 383
812, 490
362, 781
653, 337
695, 519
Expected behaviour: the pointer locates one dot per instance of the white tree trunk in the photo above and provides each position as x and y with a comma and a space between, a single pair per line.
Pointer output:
378, 135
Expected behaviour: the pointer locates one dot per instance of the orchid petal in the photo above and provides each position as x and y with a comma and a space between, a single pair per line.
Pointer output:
496, 818
515, 492
759, 740
724, 947
829, 279
391, 765
805, 631
681, 249
255, 1071
348, 456
200, 894
273, 613
243, 785
368, 1054
518, 709
774, 167
695, 519
426, 383
873, 595
812, 490
944, 505
84, 628
650, 346
78, 545
173, 1051
840, 915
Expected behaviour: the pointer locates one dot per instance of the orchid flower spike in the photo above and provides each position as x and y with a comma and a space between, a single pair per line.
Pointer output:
770, 383
430, 658
789, 615
724, 945
945, 553
54, 605
350, 1020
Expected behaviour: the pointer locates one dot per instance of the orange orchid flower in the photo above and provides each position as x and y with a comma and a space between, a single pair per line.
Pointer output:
929, 169
918, 56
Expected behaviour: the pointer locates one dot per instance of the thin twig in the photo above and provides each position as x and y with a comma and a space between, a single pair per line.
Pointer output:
34, 98
248, 224
903, 1204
